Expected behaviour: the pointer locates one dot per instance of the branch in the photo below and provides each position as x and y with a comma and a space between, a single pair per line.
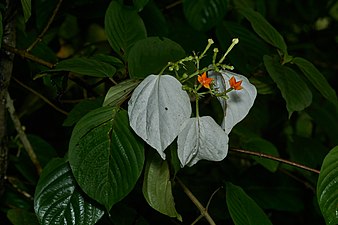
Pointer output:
22, 134
204, 211
41, 96
39, 38
262, 155
27, 55
6, 68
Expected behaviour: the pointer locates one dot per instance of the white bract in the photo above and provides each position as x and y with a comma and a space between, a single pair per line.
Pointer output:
237, 106
201, 138
157, 109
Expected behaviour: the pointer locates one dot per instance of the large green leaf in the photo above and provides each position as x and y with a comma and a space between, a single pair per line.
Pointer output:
123, 27
317, 79
243, 210
264, 29
86, 66
22, 217
157, 187
150, 55
105, 156
151, 13
59, 200
27, 9
157, 109
294, 90
117, 94
327, 187
263, 146
204, 14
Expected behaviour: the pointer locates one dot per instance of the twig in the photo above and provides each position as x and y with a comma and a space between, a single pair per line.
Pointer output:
203, 210
262, 155
22, 134
172, 5
306, 184
51, 19
27, 55
41, 96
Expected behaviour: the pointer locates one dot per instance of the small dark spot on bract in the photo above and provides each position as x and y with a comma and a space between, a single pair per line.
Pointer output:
166, 108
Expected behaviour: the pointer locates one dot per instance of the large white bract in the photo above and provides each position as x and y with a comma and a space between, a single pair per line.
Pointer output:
239, 102
201, 138
157, 109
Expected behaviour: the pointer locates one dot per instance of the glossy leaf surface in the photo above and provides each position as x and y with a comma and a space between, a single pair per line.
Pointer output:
327, 187
59, 200
157, 109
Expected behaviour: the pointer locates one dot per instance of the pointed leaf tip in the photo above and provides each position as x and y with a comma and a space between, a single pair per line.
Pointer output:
201, 138
157, 109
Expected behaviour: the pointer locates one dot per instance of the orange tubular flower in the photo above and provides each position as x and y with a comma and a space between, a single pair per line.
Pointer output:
235, 84
204, 80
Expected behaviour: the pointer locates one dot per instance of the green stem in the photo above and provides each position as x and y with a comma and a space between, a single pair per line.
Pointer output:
197, 110
234, 42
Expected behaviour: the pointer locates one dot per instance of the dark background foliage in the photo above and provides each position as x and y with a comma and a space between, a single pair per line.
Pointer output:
288, 195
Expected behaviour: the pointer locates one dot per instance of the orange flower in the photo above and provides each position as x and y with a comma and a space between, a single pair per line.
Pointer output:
235, 84
204, 80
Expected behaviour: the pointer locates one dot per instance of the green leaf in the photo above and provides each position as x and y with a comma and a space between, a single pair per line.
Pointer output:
294, 90
204, 14
327, 187
22, 217
86, 66
27, 9
124, 27
263, 146
317, 79
243, 209
150, 55
157, 109
59, 200
81, 109
105, 157
157, 187
264, 29
151, 13
117, 94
